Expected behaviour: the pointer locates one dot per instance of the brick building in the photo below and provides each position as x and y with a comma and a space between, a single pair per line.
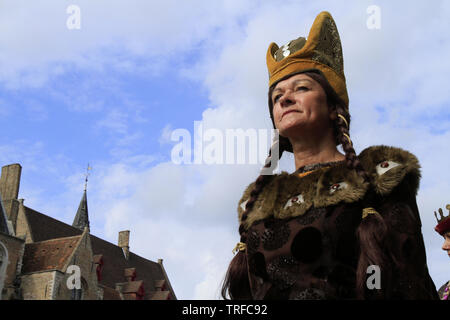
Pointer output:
38, 255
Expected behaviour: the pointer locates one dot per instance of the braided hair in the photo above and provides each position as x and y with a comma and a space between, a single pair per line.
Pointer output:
371, 232
236, 283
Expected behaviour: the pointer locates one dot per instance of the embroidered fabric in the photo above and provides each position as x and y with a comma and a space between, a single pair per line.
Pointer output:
252, 242
328, 50
282, 272
309, 294
311, 215
275, 236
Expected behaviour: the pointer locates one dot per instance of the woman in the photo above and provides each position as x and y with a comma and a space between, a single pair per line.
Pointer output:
443, 228
341, 226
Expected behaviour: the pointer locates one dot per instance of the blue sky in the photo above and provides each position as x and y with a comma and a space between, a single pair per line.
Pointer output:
111, 92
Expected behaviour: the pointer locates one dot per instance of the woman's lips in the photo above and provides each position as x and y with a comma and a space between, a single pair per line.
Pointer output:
289, 111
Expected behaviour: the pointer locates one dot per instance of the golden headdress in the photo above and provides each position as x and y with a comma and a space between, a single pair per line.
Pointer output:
443, 221
321, 51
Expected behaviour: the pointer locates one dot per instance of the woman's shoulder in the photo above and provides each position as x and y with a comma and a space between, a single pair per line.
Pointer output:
388, 167
265, 200
287, 195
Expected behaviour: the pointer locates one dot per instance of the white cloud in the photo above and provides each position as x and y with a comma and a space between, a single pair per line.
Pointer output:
111, 33
115, 121
166, 135
213, 272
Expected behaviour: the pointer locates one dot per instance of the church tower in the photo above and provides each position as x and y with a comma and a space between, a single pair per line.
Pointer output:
82, 217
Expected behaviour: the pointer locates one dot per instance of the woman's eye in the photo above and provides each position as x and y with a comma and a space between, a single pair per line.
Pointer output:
301, 88
275, 99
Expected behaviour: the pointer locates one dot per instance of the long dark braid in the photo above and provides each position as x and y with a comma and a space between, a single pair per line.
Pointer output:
374, 248
236, 283
372, 231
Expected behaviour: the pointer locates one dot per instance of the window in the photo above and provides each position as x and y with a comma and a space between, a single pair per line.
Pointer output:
3, 265
78, 294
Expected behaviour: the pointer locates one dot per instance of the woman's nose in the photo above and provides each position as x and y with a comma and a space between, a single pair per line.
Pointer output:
286, 99
446, 245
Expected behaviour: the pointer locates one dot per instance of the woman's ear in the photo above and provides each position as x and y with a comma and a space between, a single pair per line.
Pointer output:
333, 113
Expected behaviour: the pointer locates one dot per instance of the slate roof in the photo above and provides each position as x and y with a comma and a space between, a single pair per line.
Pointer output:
82, 217
48, 255
43, 227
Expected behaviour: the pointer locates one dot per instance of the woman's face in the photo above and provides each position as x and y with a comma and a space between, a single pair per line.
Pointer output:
446, 245
300, 106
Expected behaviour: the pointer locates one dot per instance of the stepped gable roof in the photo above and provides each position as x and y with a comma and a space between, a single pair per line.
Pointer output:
160, 283
114, 264
48, 255
157, 295
132, 286
43, 227
110, 294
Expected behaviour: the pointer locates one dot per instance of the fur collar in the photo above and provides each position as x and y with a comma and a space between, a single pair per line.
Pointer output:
288, 195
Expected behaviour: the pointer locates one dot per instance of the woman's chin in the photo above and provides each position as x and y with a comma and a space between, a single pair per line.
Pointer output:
292, 131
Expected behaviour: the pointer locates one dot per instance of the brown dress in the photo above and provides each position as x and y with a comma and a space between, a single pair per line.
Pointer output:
301, 240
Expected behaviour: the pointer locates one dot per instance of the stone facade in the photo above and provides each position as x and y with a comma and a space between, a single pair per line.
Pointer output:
21, 226
12, 249
83, 258
38, 285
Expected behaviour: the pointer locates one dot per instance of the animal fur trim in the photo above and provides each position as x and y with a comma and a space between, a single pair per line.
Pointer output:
408, 168
386, 166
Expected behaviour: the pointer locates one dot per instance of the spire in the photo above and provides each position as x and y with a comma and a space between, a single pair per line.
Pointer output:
82, 218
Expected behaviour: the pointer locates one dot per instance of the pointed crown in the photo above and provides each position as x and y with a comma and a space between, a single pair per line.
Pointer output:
321, 51
443, 221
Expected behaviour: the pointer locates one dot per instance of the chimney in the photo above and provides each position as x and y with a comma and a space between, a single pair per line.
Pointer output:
9, 191
10, 181
124, 243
